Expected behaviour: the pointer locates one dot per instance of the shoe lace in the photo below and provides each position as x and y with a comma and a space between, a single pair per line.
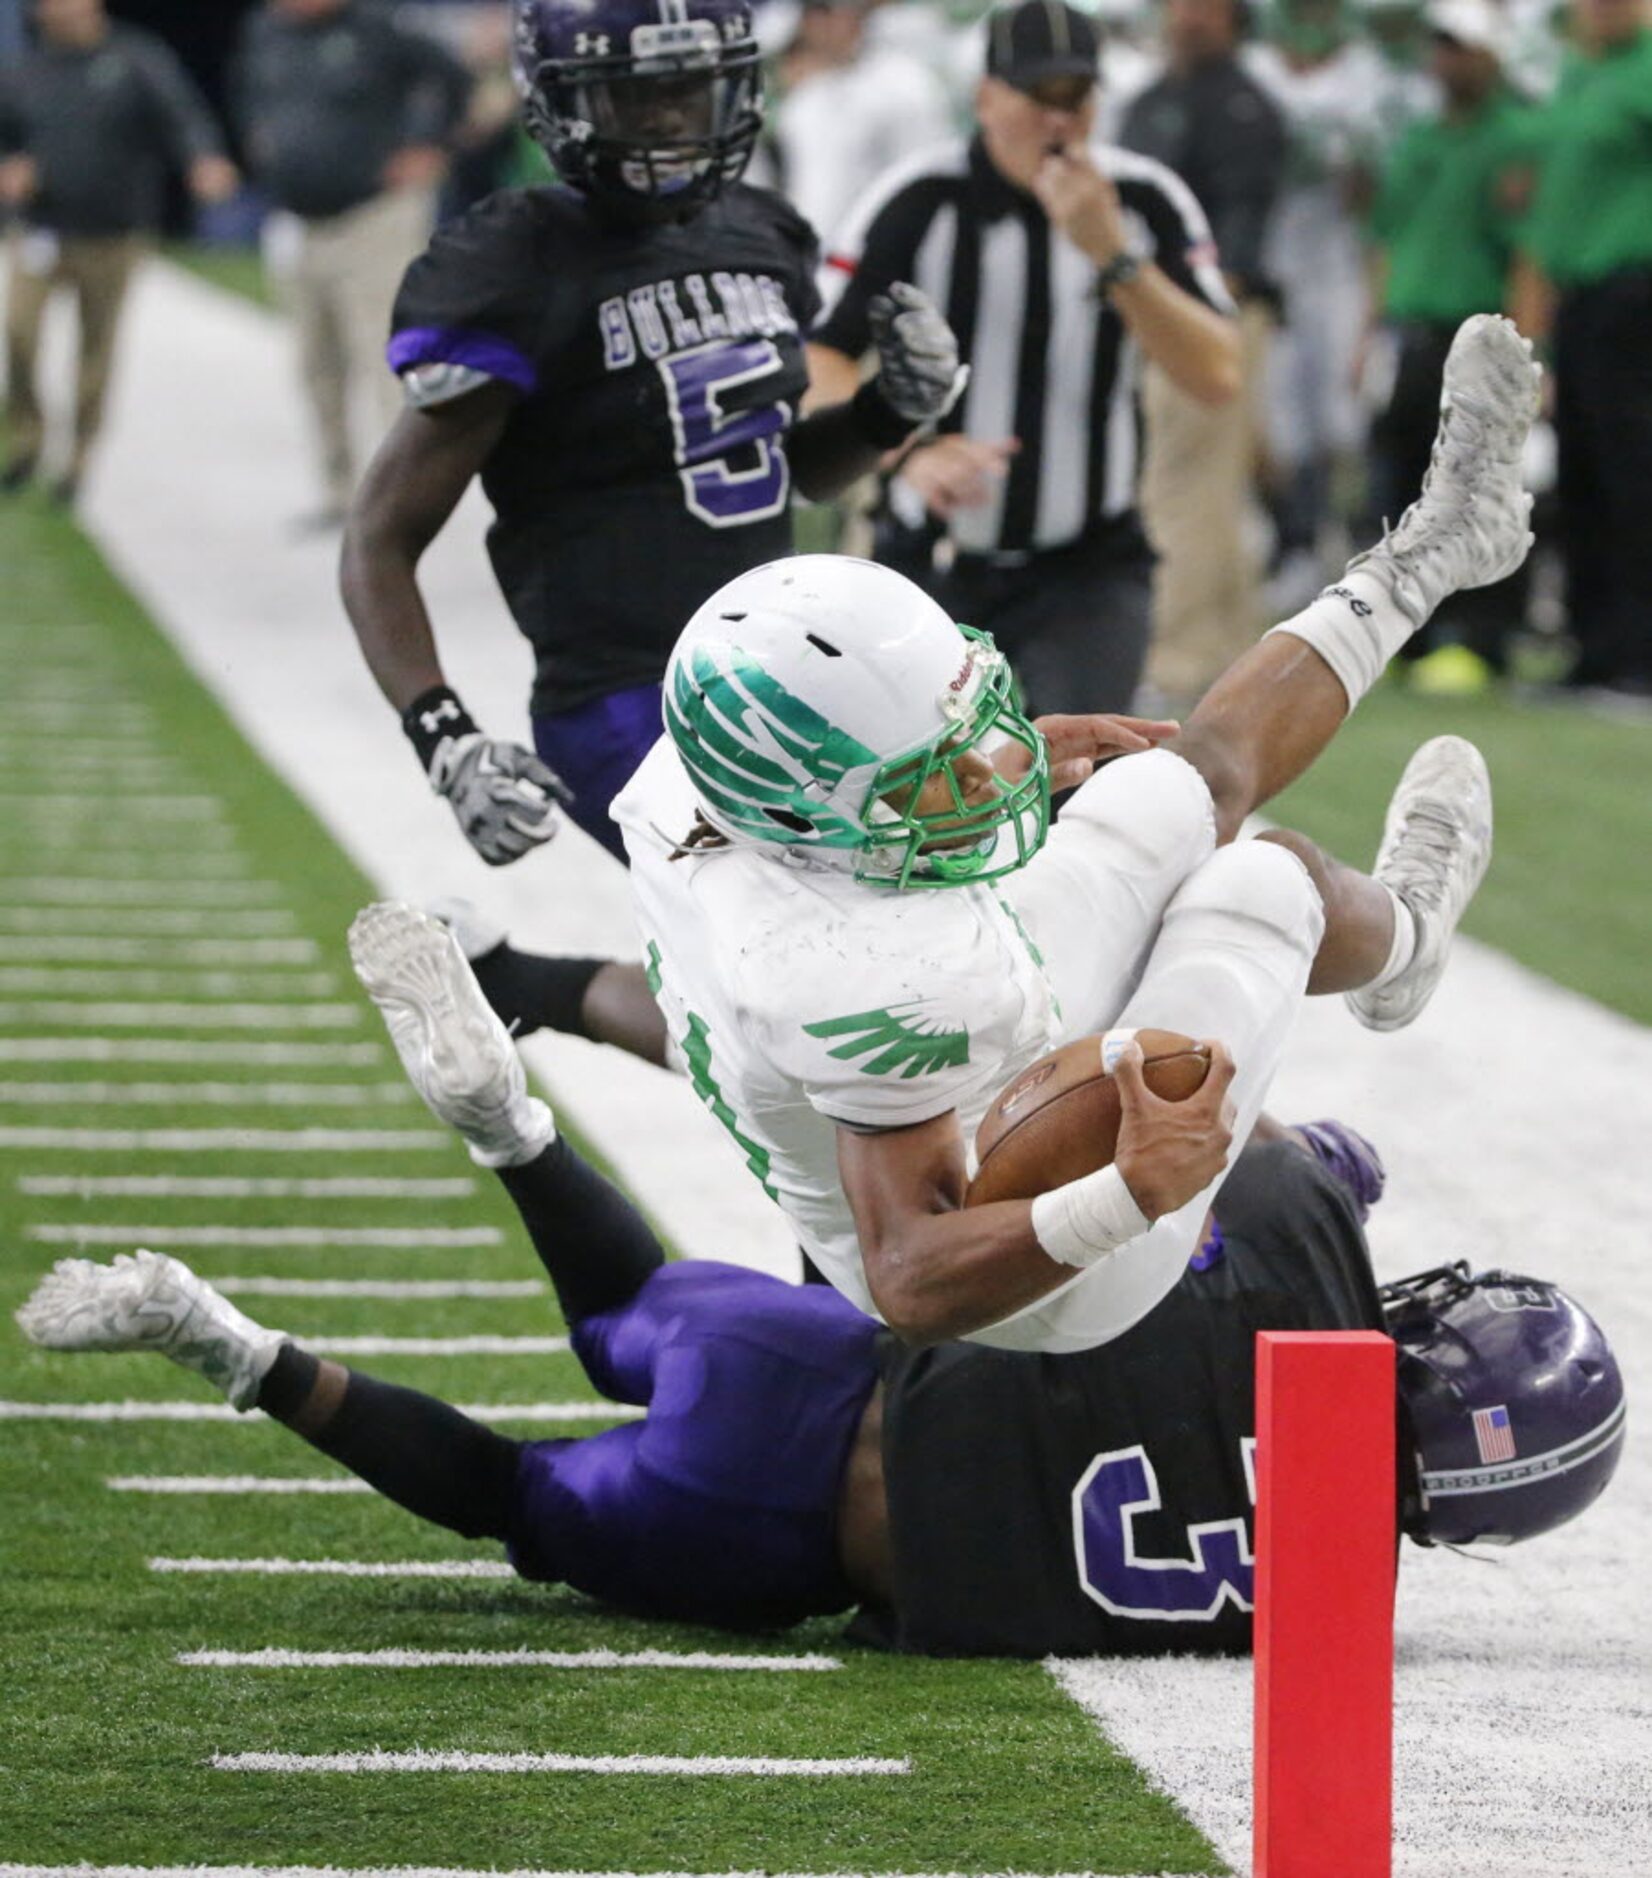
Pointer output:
1429, 840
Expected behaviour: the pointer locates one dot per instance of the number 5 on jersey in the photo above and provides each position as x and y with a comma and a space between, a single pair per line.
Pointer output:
708, 437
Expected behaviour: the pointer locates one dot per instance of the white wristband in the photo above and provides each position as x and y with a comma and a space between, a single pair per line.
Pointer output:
1082, 1222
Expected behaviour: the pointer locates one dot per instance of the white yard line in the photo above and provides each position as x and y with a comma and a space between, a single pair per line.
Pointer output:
489, 1412
81, 890
111, 809
164, 981
380, 1287
438, 1346
335, 1567
155, 922
192, 1484
180, 1050
102, 949
227, 1140
403, 1238
177, 1016
236, 1187
504, 1659
427, 1761
250, 1095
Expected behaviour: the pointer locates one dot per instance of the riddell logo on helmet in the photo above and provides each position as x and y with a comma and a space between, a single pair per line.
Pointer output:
964, 671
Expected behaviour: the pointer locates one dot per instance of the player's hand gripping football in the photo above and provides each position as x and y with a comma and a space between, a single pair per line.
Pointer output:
918, 370
1169, 1151
506, 800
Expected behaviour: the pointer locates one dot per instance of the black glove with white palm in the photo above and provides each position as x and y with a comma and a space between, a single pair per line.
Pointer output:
506, 800
919, 375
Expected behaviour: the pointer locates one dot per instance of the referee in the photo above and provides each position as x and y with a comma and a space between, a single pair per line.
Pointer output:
1059, 263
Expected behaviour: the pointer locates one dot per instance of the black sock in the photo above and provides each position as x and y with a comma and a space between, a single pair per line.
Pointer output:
415, 1450
598, 1249
530, 991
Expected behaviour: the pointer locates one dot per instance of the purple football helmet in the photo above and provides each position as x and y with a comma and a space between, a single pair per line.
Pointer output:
647, 107
1514, 1402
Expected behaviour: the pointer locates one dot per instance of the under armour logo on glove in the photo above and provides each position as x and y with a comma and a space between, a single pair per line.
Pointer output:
506, 800
448, 711
918, 371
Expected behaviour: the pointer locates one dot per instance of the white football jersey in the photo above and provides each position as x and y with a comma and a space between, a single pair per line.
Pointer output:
801, 998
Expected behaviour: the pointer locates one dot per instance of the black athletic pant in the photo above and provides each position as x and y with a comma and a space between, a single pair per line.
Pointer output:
1603, 423
421, 1452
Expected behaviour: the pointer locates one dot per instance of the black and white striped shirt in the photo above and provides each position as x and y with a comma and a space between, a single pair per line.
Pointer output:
1050, 363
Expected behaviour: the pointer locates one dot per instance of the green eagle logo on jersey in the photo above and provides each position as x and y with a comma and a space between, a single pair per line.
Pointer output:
902, 1043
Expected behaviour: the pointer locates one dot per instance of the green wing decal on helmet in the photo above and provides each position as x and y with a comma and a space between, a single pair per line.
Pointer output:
903, 1043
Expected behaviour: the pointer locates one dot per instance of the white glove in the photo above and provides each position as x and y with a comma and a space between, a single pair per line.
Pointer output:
918, 371
505, 798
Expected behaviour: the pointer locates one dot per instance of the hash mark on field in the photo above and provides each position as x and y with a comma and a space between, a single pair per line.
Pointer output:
95, 949
500, 1659
379, 1287
78, 890
151, 981
424, 1761
178, 1050
273, 1095
151, 921
179, 1016
222, 1412
400, 1238
226, 1140
96, 802
234, 1483
234, 1187
339, 1567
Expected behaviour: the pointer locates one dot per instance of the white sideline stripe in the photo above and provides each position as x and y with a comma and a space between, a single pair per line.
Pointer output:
489, 1412
179, 1050
424, 1761
226, 1140
379, 1287
438, 1346
404, 1238
459, 1871
339, 1567
162, 981
86, 890
233, 1187
152, 922
95, 949
234, 1483
273, 1095
179, 1016
499, 1659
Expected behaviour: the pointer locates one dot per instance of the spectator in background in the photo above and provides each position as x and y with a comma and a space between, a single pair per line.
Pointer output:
850, 109
346, 118
1445, 221
1060, 264
1591, 234
90, 120
1214, 125
1329, 85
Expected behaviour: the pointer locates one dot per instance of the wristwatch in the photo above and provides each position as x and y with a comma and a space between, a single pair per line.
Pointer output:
1124, 266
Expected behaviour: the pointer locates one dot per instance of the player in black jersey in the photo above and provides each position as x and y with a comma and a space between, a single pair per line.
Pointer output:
796, 1459
619, 358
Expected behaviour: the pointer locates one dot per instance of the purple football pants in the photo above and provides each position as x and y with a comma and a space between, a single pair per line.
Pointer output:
594, 750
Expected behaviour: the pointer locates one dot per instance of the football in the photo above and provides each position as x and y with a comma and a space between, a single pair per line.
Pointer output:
1059, 1119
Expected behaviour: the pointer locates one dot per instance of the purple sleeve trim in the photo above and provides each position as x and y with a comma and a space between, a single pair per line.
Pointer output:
456, 345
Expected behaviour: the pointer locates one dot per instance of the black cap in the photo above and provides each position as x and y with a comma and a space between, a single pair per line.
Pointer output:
1041, 39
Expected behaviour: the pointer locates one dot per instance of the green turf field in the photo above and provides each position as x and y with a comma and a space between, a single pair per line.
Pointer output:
233, 938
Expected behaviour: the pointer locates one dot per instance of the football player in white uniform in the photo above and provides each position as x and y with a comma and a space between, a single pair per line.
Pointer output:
860, 924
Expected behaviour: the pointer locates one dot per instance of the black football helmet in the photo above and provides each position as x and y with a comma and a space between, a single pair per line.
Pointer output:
1513, 1402
647, 107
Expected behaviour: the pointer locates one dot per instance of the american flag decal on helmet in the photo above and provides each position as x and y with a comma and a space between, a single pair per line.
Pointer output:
1492, 1434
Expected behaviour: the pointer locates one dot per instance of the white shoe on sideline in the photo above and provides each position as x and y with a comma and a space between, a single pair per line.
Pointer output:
1470, 525
456, 1052
1436, 844
147, 1301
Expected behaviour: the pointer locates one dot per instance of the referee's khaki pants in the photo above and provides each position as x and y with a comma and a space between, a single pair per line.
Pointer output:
336, 278
1196, 493
97, 270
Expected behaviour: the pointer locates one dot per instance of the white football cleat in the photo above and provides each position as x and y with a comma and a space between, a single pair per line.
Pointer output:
1436, 844
478, 933
146, 1301
1470, 525
456, 1052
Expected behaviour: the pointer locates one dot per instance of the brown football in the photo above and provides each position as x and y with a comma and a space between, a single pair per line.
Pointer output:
1059, 1119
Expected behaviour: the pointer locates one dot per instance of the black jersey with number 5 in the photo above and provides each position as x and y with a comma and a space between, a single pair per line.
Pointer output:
1101, 1504
660, 370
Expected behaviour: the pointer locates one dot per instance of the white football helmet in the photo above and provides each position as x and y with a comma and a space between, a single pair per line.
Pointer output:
811, 701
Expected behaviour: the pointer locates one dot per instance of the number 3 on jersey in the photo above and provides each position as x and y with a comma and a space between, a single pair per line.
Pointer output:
708, 437
1218, 1568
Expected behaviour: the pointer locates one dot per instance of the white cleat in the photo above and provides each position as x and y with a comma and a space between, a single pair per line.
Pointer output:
146, 1301
456, 1052
1470, 526
1436, 844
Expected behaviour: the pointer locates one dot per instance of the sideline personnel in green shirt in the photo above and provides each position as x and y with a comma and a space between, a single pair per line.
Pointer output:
1591, 234
1445, 222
